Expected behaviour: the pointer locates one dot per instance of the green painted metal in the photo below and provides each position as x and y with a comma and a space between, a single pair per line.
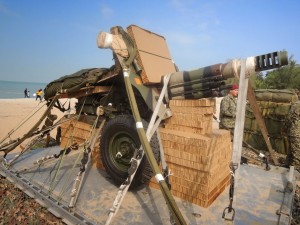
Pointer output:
122, 147
175, 212
209, 81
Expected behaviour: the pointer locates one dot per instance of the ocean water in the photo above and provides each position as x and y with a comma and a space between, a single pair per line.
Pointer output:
14, 89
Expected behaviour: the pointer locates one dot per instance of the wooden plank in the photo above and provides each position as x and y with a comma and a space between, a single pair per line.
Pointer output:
261, 123
85, 91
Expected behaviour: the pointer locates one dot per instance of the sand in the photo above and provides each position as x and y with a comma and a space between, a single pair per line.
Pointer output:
17, 116
25, 209
13, 112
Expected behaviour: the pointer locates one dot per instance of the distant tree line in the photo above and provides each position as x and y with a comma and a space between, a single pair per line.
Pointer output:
286, 77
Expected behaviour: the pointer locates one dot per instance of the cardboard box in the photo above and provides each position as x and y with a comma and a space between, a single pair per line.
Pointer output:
153, 55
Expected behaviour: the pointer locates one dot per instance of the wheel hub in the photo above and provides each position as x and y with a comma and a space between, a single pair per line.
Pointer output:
123, 147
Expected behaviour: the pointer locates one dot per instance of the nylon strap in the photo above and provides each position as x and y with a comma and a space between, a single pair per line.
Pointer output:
175, 212
30, 132
80, 176
239, 126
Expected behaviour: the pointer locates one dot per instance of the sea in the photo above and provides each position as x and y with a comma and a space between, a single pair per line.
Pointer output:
15, 89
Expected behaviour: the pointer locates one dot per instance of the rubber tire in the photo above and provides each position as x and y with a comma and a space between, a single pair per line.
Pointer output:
121, 129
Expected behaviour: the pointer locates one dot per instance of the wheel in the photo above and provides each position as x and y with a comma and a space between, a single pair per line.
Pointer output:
118, 143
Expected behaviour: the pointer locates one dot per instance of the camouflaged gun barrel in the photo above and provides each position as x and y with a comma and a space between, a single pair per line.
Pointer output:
193, 81
201, 93
208, 85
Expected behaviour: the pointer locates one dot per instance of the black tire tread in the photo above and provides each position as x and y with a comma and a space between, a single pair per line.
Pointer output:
144, 173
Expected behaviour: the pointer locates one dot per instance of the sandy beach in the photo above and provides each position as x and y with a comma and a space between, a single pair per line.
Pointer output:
14, 112
17, 116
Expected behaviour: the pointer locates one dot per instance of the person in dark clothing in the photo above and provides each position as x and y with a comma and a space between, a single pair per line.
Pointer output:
25, 93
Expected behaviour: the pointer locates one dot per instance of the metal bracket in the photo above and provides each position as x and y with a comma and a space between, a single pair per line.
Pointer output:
229, 210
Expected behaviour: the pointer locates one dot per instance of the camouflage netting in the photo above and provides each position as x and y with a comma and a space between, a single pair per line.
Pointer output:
72, 83
293, 129
275, 107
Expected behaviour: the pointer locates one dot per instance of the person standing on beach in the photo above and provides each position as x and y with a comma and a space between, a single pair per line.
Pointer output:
39, 94
25, 93
228, 109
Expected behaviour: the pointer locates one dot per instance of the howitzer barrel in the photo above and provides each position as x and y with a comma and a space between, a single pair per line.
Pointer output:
199, 86
183, 81
200, 93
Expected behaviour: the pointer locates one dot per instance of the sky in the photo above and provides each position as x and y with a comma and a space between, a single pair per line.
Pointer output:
40, 41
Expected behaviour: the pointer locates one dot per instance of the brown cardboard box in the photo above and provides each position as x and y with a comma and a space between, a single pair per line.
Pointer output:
153, 55
74, 132
78, 132
199, 164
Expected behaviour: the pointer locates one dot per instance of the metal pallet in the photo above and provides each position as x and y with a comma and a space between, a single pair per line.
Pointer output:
260, 195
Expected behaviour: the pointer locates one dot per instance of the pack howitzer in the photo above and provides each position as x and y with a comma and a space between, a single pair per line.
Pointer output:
130, 107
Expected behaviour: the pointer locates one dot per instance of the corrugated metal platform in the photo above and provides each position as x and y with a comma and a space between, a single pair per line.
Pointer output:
258, 195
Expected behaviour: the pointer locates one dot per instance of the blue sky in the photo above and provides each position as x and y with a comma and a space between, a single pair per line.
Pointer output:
43, 40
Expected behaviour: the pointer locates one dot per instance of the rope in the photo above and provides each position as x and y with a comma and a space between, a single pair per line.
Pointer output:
64, 188
11, 163
35, 140
54, 180
22, 123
